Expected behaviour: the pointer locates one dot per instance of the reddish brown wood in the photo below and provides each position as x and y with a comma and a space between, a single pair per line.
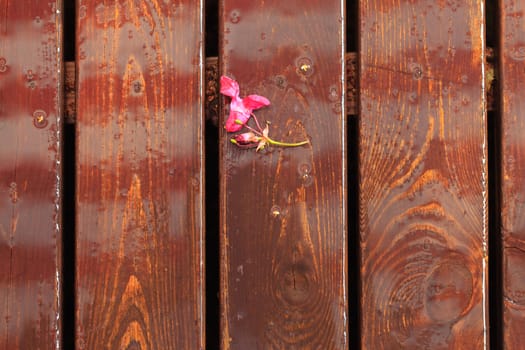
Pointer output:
140, 175
30, 100
423, 190
512, 70
283, 251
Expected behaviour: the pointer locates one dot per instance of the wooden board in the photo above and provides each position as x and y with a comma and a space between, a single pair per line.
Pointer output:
423, 190
140, 268
512, 73
30, 100
283, 211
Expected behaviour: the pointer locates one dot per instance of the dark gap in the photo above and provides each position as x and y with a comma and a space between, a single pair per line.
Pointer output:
212, 28
212, 194
68, 197
494, 166
354, 286
69, 30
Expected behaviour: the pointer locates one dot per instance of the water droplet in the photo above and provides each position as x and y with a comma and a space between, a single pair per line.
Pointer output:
453, 51
195, 183
3, 65
412, 97
235, 16
29, 74
417, 72
395, 93
337, 107
275, 211
37, 21
304, 168
305, 66
517, 53
305, 174
307, 180
137, 87
465, 101
281, 82
82, 11
40, 119
464, 79
333, 95
13, 192
171, 172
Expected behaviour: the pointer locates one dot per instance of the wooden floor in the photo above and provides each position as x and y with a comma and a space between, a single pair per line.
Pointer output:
129, 220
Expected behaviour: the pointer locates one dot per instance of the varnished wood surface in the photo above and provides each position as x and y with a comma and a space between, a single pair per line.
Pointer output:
512, 73
423, 189
30, 99
140, 175
283, 219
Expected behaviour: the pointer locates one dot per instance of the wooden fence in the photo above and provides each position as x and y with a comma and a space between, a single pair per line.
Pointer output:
128, 220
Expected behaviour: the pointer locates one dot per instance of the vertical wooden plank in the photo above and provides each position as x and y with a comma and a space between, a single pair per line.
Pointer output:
30, 100
512, 70
283, 244
140, 175
423, 190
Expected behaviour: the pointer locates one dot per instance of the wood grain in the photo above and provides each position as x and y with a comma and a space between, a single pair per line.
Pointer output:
30, 100
283, 218
512, 74
140, 175
423, 190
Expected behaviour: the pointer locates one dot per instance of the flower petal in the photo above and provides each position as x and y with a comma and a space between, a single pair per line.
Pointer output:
246, 139
231, 123
255, 102
229, 87
261, 145
239, 115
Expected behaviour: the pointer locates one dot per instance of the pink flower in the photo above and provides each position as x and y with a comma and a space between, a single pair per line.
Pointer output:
240, 108
247, 139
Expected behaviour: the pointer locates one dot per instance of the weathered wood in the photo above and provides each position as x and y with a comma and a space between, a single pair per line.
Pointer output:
212, 87
140, 175
283, 218
512, 80
423, 190
30, 100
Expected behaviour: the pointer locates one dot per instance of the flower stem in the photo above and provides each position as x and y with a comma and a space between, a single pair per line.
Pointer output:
253, 130
263, 134
257, 122
286, 144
